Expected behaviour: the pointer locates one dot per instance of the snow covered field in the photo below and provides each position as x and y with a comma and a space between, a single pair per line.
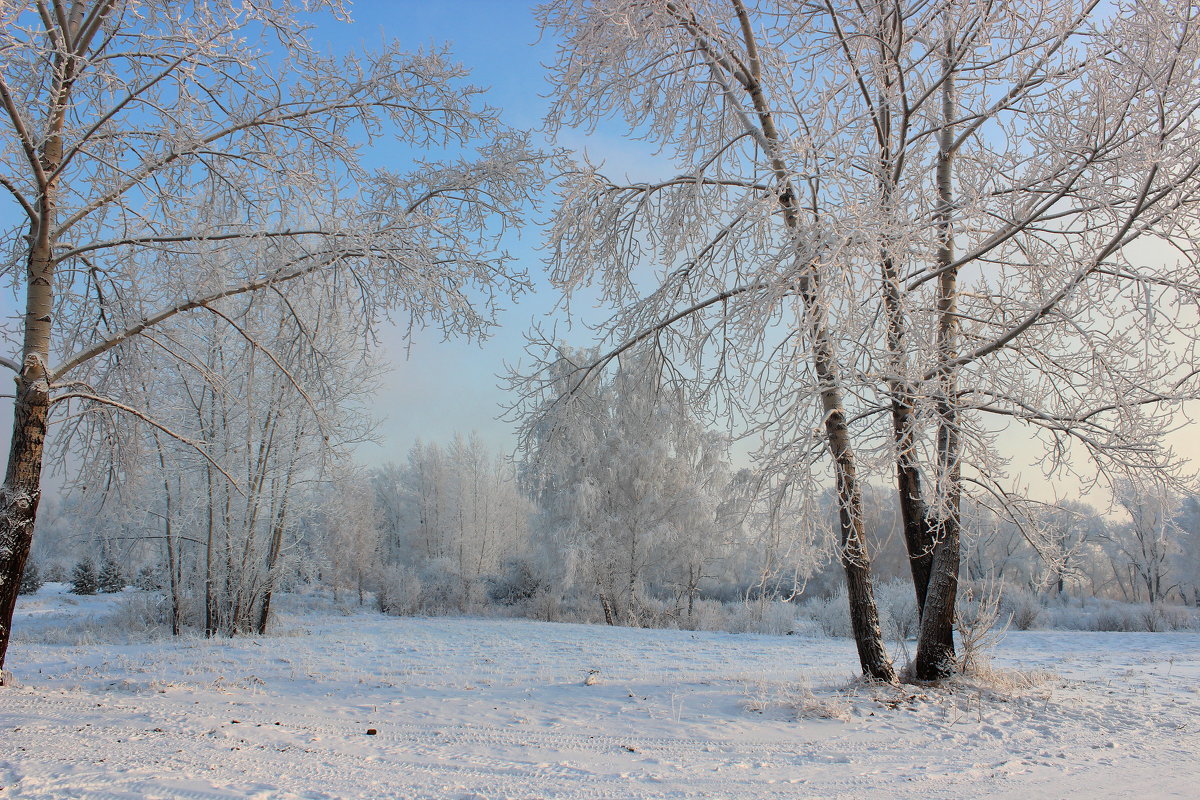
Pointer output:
486, 708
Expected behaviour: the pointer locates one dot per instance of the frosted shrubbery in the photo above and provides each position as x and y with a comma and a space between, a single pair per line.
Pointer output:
709, 615
897, 610
772, 617
1108, 615
897, 603
832, 614
399, 592
1021, 607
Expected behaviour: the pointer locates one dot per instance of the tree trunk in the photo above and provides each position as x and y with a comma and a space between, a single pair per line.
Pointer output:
864, 615
935, 646
918, 535
22, 489
606, 606
21, 493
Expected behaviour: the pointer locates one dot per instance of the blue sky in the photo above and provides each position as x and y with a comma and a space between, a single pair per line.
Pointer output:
435, 388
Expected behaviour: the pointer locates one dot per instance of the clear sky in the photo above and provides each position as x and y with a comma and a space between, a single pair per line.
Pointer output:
436, 388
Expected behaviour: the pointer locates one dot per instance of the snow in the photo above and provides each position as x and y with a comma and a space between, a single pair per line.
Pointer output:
499, 708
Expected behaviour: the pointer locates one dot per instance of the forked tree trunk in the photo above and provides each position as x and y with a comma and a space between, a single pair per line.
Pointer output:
918, 538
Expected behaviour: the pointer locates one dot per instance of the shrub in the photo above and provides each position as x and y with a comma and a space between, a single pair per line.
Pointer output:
111, 580
399, 592
84, 579
832, 614
55, 573
31, 579
897, 609
148, 579
980, 622
709, 615
443, 589
1021, 606
518, 582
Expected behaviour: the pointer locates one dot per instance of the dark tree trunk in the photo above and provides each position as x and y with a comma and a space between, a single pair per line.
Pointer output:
606, 606
22, 489
21, 492
918, 538
864, 614
935, 646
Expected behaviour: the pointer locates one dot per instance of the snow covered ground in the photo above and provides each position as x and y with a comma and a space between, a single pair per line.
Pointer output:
487, 709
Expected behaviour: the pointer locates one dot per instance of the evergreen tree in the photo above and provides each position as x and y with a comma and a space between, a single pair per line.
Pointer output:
31, 579
148, 579
111, 579
83, 578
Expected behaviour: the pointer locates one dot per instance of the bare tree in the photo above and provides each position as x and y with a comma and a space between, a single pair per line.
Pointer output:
1012, 138
165, 157
1021, 156
452, 515
1147, 541
273, 406
751, 260
628, 478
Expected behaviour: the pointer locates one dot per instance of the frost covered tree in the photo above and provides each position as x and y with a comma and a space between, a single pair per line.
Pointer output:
1146, 544
351, 533
1187, 563
162, 157
257, 419
1039, 199
628, 479
451, 517
916, 215
751, 280
110, 580
83, 577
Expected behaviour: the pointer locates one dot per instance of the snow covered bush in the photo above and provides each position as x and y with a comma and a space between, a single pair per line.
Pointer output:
1021, 606
518, 582
545, 605
148, 579
980, 622
709, 615
84, 579
31, 579
141, 613
897, 609
772, 617
399, 592
1109, 615
443, 588
778, 618
111, 580
832, 614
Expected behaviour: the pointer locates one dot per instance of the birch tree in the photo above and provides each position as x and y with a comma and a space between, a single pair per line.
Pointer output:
274, 408
452, 514
142, 139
